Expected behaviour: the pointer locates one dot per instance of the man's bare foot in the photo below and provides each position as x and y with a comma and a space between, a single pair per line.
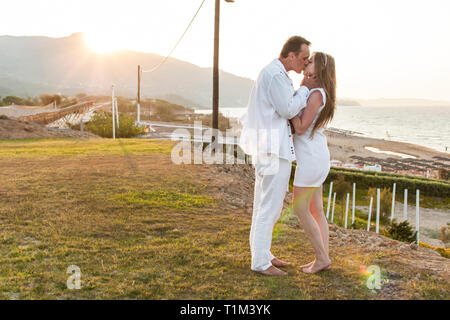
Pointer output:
317, 266
278, 263
272, 271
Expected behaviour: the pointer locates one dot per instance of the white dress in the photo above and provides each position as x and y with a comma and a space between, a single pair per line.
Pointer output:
312, 155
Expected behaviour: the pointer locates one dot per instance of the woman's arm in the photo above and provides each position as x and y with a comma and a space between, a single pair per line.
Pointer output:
302, 123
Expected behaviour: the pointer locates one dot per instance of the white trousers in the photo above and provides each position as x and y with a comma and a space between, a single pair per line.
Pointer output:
271, 184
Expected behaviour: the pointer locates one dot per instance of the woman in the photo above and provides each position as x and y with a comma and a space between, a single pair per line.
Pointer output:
313, 158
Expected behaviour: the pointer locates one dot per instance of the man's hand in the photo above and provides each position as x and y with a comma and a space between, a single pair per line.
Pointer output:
292, 126
310, 81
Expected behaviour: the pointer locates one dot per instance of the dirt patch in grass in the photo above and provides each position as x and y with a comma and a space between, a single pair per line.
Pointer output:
17, 129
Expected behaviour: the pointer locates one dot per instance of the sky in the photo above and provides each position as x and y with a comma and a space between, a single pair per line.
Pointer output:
383, 49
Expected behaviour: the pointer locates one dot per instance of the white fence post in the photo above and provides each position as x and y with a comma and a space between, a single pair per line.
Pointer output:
329, 200
117, 112
353, 203
346, 209
417, 213
393, 202
112, 109
370, 213
332, 210
377, 228
405, 206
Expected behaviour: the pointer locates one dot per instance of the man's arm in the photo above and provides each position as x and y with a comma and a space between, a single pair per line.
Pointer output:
286, 104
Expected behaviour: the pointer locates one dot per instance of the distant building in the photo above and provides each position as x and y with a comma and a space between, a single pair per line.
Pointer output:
376, 167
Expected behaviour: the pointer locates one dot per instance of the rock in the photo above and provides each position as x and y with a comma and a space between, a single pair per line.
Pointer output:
413, 246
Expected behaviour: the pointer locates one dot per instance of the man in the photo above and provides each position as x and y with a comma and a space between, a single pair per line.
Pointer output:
266, 136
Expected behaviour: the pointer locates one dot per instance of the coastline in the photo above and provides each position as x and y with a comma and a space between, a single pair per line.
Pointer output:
355, 145
349, 149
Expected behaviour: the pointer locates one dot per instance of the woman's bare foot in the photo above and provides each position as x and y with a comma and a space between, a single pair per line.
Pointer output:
272, 271
278, 263
307, 265
317, 266
311, 263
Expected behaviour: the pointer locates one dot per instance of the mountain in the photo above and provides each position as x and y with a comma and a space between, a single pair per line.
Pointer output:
34, 65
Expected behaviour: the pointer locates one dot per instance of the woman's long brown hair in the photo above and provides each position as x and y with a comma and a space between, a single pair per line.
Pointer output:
326, 74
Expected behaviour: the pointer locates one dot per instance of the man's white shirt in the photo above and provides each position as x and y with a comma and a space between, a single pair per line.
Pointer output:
266, 129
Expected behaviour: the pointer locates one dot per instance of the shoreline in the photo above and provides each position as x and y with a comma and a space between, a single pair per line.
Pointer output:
340, 137
349, 149
358, 143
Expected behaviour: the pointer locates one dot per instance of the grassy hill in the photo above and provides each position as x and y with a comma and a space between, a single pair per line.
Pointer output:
140, 227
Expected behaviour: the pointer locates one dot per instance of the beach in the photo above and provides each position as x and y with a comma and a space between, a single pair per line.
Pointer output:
394, 156
342, 146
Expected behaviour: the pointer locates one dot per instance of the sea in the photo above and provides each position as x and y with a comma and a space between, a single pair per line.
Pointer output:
425, 126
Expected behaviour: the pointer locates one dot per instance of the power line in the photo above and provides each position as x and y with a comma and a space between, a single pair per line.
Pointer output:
179, 40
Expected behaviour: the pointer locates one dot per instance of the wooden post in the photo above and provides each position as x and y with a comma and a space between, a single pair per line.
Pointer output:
346, 210
393, 202
377, 228
329, 200
370, 213
417, 214
332, 210
405, 206
215, 113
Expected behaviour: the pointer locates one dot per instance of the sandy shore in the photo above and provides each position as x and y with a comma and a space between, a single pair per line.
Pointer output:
342, 146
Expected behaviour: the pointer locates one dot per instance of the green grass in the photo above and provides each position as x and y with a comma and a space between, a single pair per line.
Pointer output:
140, 227
76, 147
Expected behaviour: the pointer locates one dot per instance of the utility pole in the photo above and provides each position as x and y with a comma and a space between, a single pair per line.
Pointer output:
215, 113
139, 95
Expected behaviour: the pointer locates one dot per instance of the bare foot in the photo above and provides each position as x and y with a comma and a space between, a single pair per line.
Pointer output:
311, 263
278, 263
307, 265
317, 266
272, 271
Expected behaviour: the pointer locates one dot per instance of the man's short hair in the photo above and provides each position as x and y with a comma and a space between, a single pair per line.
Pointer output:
293, 44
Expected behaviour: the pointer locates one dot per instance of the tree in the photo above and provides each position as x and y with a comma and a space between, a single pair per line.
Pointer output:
50, 98
9, 100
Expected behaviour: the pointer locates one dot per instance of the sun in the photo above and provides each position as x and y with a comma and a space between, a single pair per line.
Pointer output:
101, 42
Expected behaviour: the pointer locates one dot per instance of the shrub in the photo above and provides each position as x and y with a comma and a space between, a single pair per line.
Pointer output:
367, 179
442, 251
342, 187
445, 235
46, 99
401, 231
206, 119
101, 124
9, 100
444, 174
